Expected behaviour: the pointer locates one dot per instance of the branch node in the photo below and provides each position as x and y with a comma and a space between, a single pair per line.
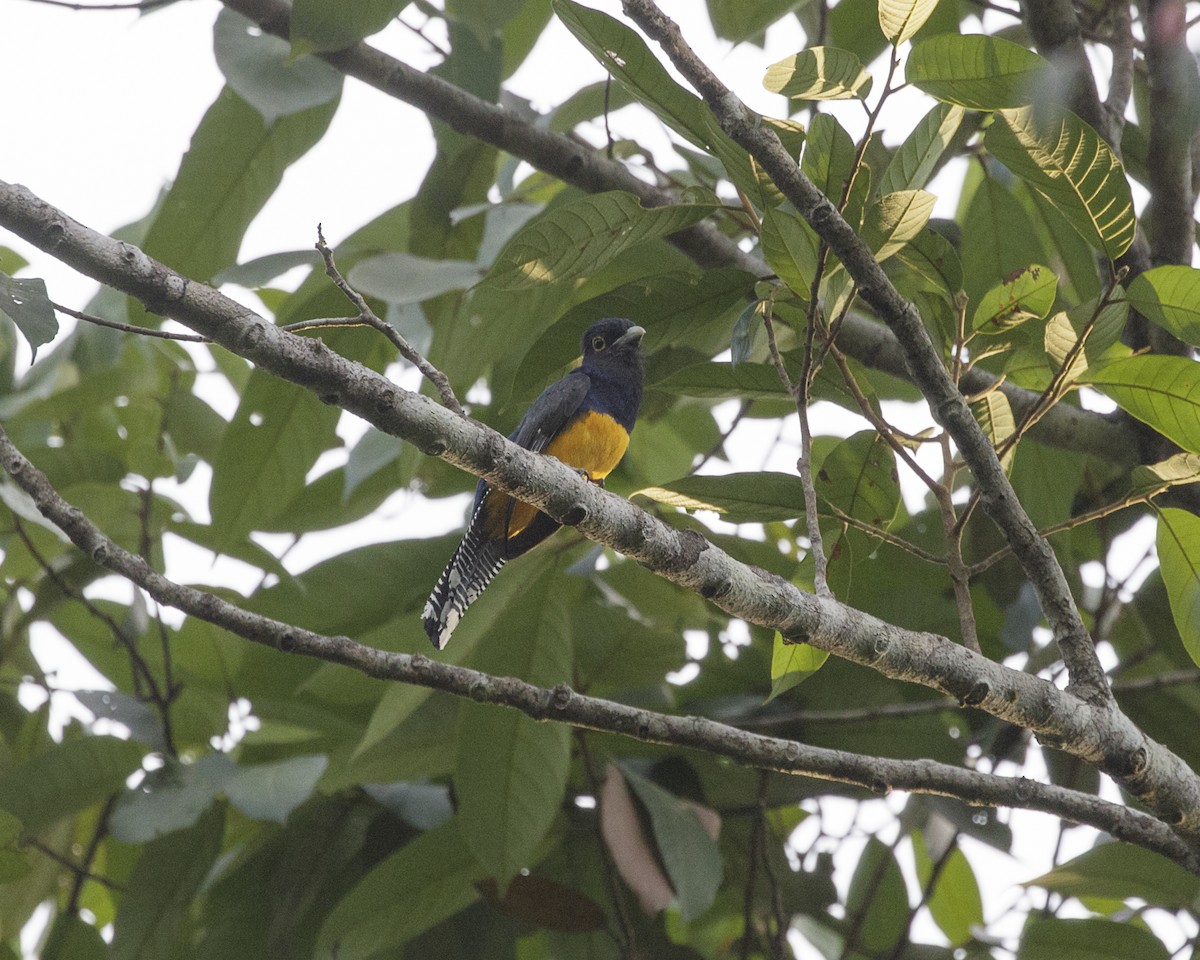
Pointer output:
575, 515
330, 399
561, 696
100, 553
880, 786
434, 448
976, 695
479, 690
714, 591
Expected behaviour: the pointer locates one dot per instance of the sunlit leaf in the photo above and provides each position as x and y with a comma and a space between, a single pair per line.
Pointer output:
1101, 329
792, 664
984, 73
1070, 164
819, 73
954, 901
995, 416
916, 158
1170, 296
739, 497
900, 19
1027, 296
895, 219
1163, 392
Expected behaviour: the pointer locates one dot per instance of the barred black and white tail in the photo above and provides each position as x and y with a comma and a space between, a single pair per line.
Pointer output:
476, 561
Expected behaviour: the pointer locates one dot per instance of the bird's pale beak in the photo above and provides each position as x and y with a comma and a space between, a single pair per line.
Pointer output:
632, 335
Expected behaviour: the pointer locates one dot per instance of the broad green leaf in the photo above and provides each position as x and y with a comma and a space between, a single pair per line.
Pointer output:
320, 25
751, 381
738, 21
790, 248
1064, 330
71, 938
739, 497
511, 770
1027, 296
900, 19
404, 278
67, 777
954, 902
11, 261
275, 437
1179, 560
235, 163
819, 73
1120, 871
158, 897
171, 798
271, 791
260, 68
1170, 296
688, 851
741, 342
995, 416
983, 73
859, 477
587, 103
413, 889
27, 304
998, 239
916, 158
878, 899
828, 156
1163, 392
1068, 163
895, 219
578, 238
1057, 938
792, 664
262, 270
928, 262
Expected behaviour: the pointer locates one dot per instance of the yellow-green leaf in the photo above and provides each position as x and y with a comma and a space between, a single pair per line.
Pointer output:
791, 664
984, 73
819, 73
1163, 392
900, 19
1027, 296
1170, 296
1067, 162
995, 416
1179, 560
895, 219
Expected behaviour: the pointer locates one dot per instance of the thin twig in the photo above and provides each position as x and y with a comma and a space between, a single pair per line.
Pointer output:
367, 316
127, 327
84, 872
139, 5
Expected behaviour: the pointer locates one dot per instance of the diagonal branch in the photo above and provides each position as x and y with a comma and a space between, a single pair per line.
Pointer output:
928, 373
1099, 734
877, 774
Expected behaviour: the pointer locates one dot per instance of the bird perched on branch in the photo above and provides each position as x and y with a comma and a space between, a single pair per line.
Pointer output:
584, 420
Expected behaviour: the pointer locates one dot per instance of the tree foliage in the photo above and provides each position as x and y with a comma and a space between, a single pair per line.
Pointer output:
584, 774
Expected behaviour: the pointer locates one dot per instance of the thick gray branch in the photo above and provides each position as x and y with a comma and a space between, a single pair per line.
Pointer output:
1098, 733
878, 774
924, 361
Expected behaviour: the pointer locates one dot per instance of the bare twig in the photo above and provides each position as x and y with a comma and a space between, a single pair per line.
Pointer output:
366, 316
129, 327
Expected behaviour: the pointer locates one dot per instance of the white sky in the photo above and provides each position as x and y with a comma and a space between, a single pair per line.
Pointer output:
101, 107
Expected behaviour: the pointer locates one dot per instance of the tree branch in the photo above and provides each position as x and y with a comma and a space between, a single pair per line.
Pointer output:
877, 774
1101, 735
924, 361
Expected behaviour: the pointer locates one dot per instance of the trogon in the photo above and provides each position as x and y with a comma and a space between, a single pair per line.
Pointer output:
584, 420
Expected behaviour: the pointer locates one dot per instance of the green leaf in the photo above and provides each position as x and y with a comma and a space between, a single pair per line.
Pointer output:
900, 19
275, 437
1064, 330
11, 261
828, 156
158, 897
1175, 470
1027, 296
859, 476
320, 25
878, 899
1120, 871
271, 791
262, 270
790, 248
760, 497
404, 278
1067, 162
235, 163
71, 938
1094, 939
27, 304
578, 238
995, 416
955, 902
931, 265
751, 381
511, 770
170, 798
430, 879
260, 68
1169, 296
895, 219
738, 21
916, 158
688, 851
984, 73
67, 777
1163, 392
819, 73
1179, 560
792, 664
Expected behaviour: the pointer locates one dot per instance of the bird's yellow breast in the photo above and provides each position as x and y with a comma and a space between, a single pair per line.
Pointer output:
594, 442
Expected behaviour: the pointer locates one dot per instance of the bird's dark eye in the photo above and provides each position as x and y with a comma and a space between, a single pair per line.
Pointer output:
598, 344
